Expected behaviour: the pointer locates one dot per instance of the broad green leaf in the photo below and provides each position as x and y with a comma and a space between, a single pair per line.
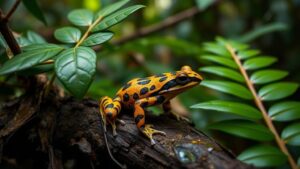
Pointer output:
245, 129
116, 18
262, 30
75, 68
216, 49
245, 54
30, 58
67, 34
23, 41
35, 38
263, 156
266, 76
81, 17
224, 72
230, 107
278, 90
259, 62
111, 8
285, 111
37, 69
2, 42
228, 87
291, 134
97, 38
203, 4
221, 60
33, 7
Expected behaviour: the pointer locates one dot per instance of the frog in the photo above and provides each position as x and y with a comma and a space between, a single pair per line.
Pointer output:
140, 93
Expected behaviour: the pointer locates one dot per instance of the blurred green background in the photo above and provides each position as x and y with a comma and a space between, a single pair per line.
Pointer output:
271, 26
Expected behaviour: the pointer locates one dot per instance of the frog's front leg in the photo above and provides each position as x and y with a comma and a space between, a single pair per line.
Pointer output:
139, 116
109, 109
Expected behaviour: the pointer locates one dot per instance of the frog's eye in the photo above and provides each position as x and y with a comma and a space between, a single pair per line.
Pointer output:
182, 79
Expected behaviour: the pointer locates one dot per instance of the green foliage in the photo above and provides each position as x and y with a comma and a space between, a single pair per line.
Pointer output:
245, 129
263, 156
33, 7
35, 55
67, 34
234, 65
74, 66
240, 109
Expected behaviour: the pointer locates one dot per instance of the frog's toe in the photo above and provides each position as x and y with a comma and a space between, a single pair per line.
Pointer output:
179, 117
149, 132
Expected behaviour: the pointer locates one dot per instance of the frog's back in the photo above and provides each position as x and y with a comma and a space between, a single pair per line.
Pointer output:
139, 88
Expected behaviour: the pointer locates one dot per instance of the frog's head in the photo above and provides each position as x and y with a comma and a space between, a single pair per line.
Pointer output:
187, 77
184, 79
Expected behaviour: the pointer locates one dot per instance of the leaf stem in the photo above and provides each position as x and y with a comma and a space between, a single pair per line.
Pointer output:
261, 107
86, 34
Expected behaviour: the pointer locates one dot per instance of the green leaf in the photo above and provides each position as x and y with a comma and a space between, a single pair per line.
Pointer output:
221, 60
285, 111
33, 7
228, 87
67, 34
216, 49
262, 30
266, 76
35, 38
203, 4
23, 41
245, 54
97, 38
277, 91
224, 72
111, 8
37, 69
259, 62
116, 18
81, 17
75, 68
263, 156
30, 58
230, 107
245, 129
291, 134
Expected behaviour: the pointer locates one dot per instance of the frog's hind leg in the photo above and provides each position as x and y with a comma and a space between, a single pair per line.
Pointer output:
139, 116
167, 109
109, 109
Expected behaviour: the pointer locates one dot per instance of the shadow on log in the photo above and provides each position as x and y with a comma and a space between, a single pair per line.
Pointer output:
65, 133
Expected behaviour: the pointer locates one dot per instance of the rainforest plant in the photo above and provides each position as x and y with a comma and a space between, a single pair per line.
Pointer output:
246, 75
74, 61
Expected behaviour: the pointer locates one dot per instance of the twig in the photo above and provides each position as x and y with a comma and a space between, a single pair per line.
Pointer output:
8, 35
170, 21
12, 10
262, 108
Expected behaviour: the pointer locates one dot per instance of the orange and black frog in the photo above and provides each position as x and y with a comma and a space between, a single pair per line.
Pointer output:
140, 93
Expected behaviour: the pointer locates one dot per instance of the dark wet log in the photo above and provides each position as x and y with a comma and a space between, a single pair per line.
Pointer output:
68, 134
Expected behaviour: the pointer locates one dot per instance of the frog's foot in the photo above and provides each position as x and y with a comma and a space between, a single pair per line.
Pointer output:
122, 122
179, 117
149, 132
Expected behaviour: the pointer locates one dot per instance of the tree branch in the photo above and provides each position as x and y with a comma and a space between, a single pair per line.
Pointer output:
12, 10
8, 35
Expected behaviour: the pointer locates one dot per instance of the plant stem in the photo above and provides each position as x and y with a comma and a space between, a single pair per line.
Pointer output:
8, 35
13, 9
261, 107
86, 34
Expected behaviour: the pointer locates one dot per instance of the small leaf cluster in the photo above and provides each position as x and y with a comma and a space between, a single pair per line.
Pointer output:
248, 121
74, 61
